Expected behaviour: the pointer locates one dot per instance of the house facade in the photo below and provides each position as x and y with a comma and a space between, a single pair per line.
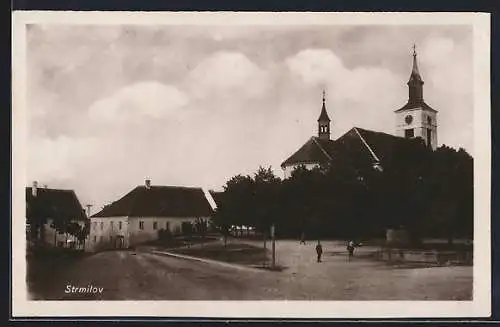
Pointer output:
53, 207
138, 216
416, 122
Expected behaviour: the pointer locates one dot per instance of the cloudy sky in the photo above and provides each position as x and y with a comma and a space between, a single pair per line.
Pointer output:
109, 106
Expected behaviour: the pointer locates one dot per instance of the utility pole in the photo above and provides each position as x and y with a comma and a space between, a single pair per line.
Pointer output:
273, 245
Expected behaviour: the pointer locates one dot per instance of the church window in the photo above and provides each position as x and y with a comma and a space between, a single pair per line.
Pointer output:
429, 136
141, 225
120, 225
429, 120
155, 225
409, 132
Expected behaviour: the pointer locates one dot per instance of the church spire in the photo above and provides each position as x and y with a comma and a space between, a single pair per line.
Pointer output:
324, 122
415, 83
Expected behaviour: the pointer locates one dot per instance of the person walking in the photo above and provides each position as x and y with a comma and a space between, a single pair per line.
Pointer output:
350, 249
319, 251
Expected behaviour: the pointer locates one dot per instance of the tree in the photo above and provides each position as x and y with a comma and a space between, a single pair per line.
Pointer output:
83, 232
266, 188
37, 215
428, 193
201, 226
238, 202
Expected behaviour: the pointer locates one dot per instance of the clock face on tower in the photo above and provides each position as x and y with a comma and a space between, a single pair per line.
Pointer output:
408, 119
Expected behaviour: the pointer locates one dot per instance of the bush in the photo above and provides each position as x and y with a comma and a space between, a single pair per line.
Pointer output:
164, 235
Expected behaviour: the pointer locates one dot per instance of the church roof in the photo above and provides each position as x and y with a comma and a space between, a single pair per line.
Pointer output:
159, 201
415, 100
315, 150
357, 147
415, 73
416, 105
323, 116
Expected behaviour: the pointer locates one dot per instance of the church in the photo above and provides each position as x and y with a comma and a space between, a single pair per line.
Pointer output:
416, 122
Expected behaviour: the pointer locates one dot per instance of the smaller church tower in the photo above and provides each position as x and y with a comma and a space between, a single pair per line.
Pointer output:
324, 122
416, 118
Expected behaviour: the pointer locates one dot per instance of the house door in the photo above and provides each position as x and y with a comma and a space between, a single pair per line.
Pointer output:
119, 242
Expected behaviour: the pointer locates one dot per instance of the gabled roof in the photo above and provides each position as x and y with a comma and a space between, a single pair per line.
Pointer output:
159, 201
56, 203
358, 147
315, 150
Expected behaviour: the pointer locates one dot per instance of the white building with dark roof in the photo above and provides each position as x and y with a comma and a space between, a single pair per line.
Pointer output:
416, 123
138, 216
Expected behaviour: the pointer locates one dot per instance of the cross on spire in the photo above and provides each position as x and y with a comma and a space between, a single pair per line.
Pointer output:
324, 93
414, 50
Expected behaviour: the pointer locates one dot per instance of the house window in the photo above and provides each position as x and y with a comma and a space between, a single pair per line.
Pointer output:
409, 132
141, 225
95, 239
102, 225
112, 224
167, 226
120, 225
94, 225
155, 225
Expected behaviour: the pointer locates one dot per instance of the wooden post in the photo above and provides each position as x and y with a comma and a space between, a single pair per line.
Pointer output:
273, 245
265, 249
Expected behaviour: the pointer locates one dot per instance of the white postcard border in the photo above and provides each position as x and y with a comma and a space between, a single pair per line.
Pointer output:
480, 306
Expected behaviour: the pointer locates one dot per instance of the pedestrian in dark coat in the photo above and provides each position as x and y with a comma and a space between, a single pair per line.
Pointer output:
350, 249
319, 251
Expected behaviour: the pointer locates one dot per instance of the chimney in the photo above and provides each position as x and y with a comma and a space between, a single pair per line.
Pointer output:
34, 188
148, 183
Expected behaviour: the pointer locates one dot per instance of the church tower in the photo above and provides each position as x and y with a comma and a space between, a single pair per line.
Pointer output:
324, 122
416, 118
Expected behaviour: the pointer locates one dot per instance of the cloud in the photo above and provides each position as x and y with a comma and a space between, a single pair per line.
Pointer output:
225, 73
448, 77
57, 159
147, 99
354, 95
112, 109
315, 66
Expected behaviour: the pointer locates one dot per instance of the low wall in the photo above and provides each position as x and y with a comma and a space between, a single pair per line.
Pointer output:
421, 256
